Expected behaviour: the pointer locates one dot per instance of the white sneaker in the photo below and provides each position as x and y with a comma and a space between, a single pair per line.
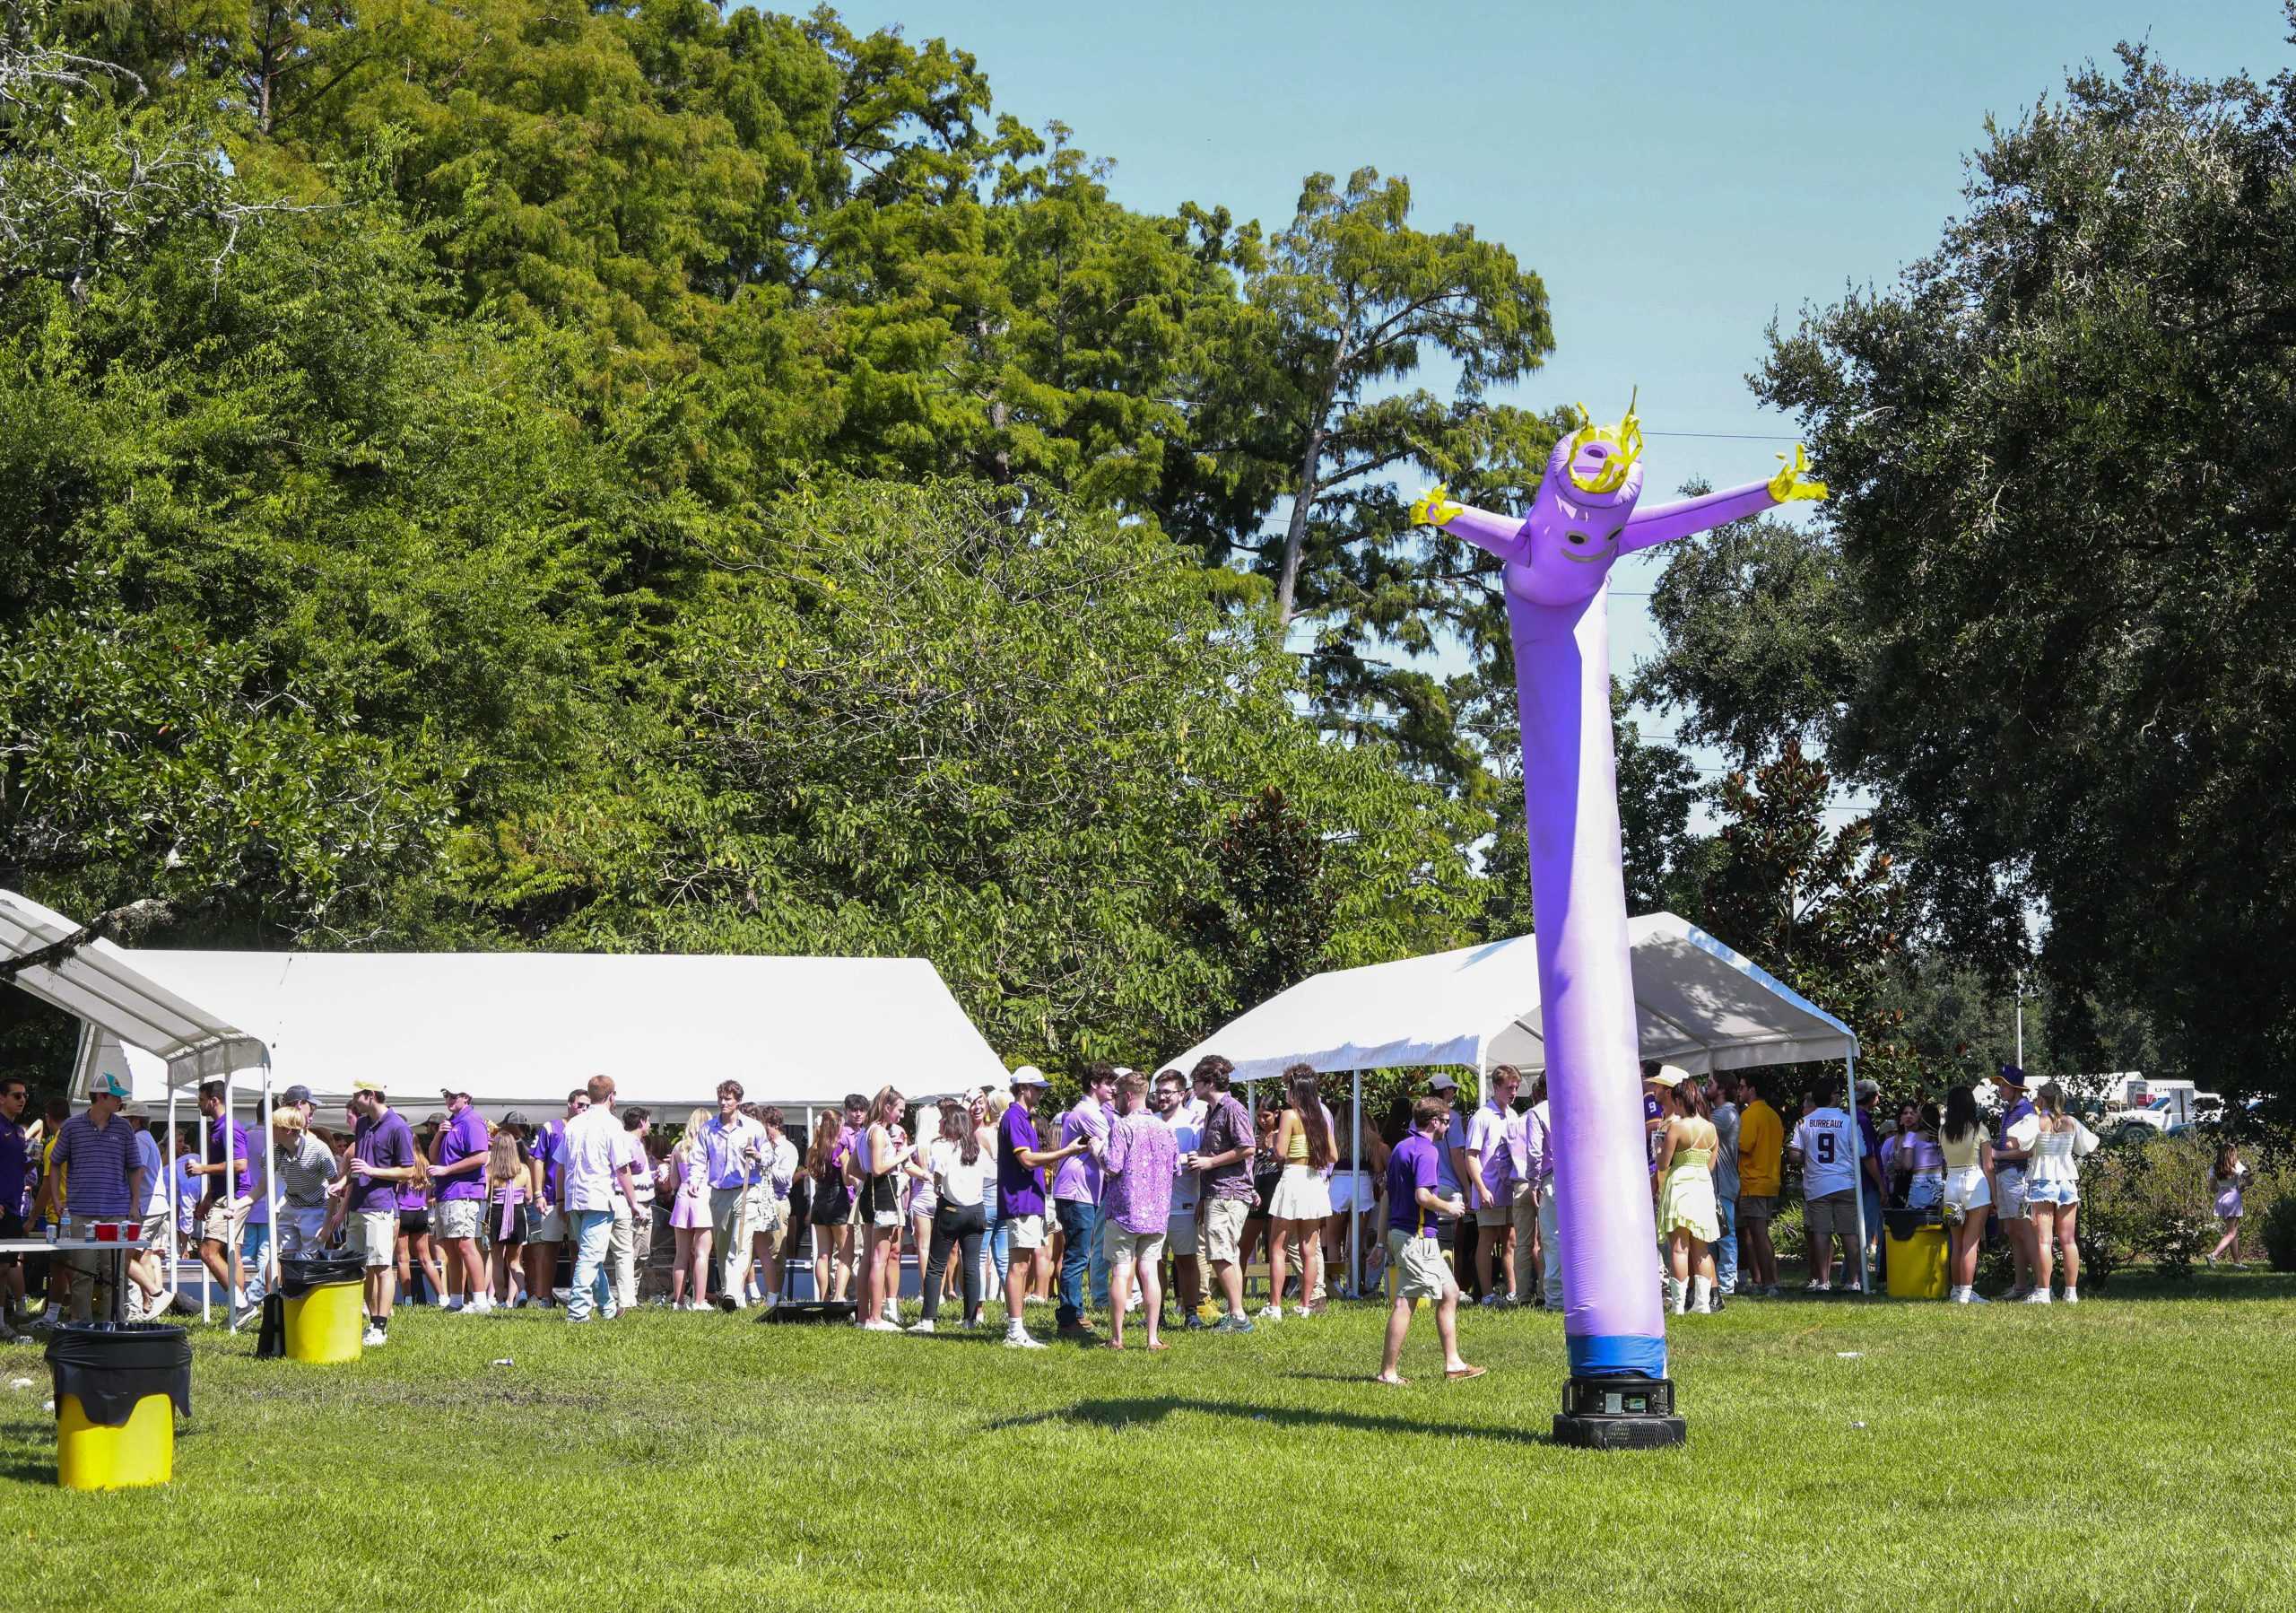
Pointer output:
484, 1306
373, 1337
1017, 1338
1302, 1312
1817, 1287
922, 1326
773, 1301
2072, 1297
2038, 1296
1268, 1313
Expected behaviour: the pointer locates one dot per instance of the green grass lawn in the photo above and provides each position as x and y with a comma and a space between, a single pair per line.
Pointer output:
2137, 1450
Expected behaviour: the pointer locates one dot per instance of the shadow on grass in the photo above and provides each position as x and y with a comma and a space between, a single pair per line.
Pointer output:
1113, 1414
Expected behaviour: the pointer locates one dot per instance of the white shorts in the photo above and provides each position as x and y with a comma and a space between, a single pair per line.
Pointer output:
2009, 1195
1965, 1189
550, 1228
1179, 1232
1350, 1190
1024, 1232
459, 1218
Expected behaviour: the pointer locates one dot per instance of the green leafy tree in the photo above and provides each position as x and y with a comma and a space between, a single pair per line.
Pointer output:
1271, 917
2062, 511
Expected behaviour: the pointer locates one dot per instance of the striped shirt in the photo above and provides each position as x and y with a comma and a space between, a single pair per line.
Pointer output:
100, 1159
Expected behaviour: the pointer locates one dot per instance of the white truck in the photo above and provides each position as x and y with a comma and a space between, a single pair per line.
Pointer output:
2160, 1103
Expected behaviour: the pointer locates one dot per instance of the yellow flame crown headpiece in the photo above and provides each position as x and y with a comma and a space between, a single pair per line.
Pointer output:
1626, 436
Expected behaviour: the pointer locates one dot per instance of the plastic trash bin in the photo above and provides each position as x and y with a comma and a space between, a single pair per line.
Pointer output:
326, 1301
117, 1393
1915, 1262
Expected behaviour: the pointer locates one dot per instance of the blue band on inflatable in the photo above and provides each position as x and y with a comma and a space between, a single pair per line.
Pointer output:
1617, 1355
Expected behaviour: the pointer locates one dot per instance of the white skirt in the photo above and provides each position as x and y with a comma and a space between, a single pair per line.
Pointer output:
1300, 1195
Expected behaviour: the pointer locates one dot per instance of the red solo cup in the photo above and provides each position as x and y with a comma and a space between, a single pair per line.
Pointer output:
105, 1231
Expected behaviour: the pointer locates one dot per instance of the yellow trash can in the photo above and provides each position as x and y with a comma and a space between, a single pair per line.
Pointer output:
326, 1314
117, 1393
1916, 1259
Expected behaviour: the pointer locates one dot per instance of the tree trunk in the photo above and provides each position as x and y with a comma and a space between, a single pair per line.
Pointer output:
1295, 532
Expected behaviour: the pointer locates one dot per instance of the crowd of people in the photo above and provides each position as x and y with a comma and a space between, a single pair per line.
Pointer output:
1143, 1189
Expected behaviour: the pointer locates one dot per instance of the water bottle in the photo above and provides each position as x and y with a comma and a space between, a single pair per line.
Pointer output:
64, 1228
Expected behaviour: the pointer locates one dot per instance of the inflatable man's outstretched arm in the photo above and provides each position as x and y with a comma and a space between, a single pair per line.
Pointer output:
1664, 523
1500, 535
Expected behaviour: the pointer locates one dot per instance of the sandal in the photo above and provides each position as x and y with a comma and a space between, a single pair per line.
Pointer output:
1461, 1375
1389, 1382
1113, 1344
1160, 1345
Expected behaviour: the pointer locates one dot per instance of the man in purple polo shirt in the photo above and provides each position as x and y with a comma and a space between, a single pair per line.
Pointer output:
1076, 1196
1222, 1161
1019, 1193
382, 1156
1416, 1203
460, 1177
96, 1158
546, 1215
223, 1205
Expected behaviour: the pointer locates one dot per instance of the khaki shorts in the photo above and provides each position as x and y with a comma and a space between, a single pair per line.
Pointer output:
2008, 1195
1024, 1232
1757, 1207
1180, 1236
1220, 1229
1832, 1216
225, 1222
459, 1218
378, 1236
1492, 1215
1125, 1246
1420, 1269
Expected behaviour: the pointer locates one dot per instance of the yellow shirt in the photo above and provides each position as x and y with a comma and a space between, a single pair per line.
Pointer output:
1761, 1138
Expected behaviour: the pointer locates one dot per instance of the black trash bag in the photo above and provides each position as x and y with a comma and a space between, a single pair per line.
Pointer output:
111, 1369
300, 1274
1904, 1222
271, 1341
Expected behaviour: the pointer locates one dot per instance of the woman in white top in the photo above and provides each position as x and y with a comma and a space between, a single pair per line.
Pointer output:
2053, 1190
1968, 1190
960, 1166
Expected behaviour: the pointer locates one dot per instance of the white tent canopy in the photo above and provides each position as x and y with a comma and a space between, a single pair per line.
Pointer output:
1698, 1004
523, 1028
509, 1028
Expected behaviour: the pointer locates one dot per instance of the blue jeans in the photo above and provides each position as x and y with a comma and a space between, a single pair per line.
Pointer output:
1079, 1226
996, 1239
1726, 1247
593, 1235
254, 1255
1873, 1238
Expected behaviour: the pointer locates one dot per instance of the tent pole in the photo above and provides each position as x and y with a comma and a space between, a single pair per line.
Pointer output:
206, 1285
271, 1185
1858, 1183
166, 1301
1355, 1185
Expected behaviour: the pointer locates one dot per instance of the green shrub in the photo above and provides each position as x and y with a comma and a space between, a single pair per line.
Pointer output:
2279, 1234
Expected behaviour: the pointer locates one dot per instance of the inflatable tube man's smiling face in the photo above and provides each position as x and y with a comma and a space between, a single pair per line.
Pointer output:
1575, 524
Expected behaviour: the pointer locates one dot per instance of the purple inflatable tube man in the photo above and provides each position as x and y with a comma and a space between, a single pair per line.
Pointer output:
1558, 564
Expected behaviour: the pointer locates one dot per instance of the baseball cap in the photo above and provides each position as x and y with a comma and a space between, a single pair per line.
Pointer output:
517, 1117
108, 1086
374, 1086
136, 1112
437, 1117
450, 1093
297, 1093
1442, 1083
1028, 1075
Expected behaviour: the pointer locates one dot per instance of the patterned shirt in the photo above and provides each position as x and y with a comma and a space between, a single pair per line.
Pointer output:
1143, 1159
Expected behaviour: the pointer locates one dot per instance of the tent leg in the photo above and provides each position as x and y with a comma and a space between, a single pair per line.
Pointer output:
1857, 1155
271, 1186
166, 1300
1355, 1185
206, 1285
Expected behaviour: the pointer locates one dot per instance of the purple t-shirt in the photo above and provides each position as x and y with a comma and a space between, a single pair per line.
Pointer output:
1078, 1179
1411, 1167
387, 1143
550, 1146
15, 1168
1870, 1140
1651, 1110
465, 1137
212, 1154
1143, 1157
1019, 1188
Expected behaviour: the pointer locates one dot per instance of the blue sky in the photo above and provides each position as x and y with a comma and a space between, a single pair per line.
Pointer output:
1719, 166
